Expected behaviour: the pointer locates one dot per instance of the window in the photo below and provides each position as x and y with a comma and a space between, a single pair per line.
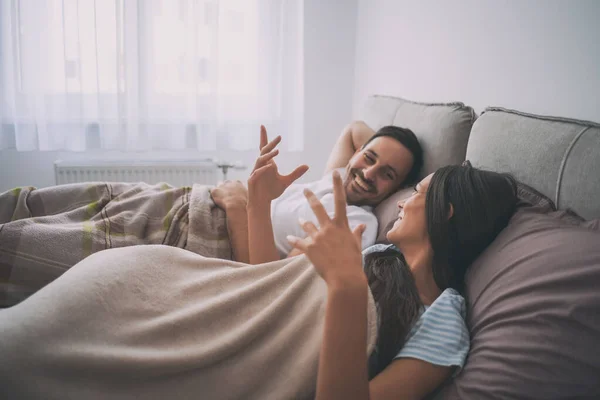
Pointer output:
147, 74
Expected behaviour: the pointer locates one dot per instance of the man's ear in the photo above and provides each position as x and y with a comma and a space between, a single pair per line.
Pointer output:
450, 211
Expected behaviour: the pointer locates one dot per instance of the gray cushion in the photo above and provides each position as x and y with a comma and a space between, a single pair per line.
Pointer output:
534, 313
442, 128
559, 157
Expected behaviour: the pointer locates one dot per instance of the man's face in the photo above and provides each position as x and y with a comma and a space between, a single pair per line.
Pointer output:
376, 171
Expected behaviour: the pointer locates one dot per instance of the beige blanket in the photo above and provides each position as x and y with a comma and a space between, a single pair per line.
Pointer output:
158, 322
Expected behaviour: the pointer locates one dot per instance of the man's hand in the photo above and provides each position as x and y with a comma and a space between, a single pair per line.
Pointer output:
353, 137
232, 197
265, 183
230, 194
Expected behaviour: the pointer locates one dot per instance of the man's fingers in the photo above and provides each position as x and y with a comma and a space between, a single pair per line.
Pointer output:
294, 175
339, 196
317, 207
270, 146
263, 137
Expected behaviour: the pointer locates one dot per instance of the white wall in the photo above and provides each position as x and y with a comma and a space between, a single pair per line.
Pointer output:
539, 56
329, 38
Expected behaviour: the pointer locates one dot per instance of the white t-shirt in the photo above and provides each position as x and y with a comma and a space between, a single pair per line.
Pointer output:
292, 205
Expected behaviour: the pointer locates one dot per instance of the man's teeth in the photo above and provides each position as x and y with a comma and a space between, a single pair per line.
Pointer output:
363, 185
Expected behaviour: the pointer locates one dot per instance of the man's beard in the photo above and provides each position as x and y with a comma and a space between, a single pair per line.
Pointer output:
353, 198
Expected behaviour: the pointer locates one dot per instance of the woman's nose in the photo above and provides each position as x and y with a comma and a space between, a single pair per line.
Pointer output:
401, 204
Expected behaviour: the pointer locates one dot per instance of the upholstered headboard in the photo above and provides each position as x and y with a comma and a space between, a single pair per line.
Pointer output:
442, 128
559, 157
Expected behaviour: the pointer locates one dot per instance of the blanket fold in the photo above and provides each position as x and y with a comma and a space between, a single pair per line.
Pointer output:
44, 232
158, 322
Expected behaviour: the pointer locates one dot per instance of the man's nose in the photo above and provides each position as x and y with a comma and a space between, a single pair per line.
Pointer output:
369, 174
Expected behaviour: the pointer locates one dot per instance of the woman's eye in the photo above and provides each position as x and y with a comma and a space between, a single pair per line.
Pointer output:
369, 159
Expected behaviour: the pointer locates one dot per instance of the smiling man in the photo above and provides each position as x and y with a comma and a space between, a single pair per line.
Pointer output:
373, 165
386, 160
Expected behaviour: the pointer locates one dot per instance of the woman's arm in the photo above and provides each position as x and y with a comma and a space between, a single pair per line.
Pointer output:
237, 228
261, 241
343, 360
408, 379
335, 253
264, 185
352, 138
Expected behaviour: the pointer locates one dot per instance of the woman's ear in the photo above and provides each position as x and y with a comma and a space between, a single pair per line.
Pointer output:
450, 211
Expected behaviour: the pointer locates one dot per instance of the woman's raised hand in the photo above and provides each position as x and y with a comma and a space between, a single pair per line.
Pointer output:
265, 183
333, 248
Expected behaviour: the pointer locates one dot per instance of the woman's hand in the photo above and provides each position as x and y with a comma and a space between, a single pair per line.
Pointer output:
230, 194
335, 251
333, 248
265, 183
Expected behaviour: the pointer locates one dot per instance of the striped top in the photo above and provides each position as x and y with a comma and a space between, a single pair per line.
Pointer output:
440, 335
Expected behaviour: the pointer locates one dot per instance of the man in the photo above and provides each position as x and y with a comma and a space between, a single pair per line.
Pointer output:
44, 232
376, 165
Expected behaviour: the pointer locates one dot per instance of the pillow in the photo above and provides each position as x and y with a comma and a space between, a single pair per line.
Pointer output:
534, 313
442, 128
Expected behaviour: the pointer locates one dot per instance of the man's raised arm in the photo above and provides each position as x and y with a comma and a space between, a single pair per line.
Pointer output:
353, 137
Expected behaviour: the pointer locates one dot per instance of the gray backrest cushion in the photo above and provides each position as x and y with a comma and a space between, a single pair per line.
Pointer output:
442, 129
559, 157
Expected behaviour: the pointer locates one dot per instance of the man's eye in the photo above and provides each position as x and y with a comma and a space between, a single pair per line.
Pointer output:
390, 177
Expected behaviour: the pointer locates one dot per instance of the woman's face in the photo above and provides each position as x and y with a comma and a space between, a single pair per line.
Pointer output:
411, 225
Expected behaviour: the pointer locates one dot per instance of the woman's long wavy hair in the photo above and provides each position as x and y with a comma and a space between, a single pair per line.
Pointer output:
482, 203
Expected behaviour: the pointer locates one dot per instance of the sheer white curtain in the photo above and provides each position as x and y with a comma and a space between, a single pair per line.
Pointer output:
150, 74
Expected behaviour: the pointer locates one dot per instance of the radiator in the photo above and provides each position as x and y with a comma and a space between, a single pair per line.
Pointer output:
176, 173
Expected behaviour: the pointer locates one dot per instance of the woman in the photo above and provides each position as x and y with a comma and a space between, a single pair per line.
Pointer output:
452, 216
449, 220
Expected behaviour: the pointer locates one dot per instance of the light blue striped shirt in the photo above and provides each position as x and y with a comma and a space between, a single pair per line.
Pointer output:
440, 335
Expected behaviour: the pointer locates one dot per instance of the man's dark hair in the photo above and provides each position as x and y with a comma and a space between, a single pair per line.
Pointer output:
408, 139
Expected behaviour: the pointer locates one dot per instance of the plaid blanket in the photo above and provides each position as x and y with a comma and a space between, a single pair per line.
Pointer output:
44, 232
